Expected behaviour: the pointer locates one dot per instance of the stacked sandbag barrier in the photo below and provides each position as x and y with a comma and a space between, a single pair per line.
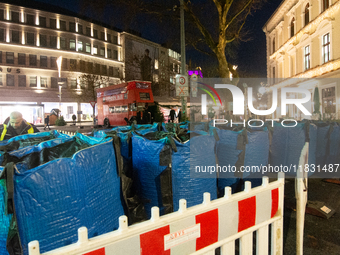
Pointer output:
288, 142
60, 186
165, 164
241, 154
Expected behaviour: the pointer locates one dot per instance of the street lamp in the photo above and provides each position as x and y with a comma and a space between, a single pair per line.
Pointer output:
59, 61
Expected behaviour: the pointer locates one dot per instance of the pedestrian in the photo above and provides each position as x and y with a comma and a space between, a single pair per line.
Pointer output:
47, 122
172, 115
74, 118
16, 126
179, 115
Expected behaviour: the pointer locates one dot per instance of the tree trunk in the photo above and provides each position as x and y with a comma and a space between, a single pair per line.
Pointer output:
223, 69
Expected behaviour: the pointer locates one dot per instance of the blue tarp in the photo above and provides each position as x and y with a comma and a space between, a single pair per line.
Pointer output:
146, 162
288, 142
53, 200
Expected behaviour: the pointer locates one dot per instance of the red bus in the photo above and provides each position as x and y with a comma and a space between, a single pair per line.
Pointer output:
118, 104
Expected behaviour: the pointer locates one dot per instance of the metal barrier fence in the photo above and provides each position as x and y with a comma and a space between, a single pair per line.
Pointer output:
245, 216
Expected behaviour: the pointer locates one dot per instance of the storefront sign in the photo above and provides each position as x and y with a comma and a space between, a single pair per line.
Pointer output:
9, 70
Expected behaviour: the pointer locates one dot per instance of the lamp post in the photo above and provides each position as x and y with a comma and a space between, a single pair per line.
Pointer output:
183, 59
59, 61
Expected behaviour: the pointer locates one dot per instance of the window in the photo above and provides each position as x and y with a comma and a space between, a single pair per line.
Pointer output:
108, 36
328, 100
88, 31
307, 57
292, 29
0, 56
42, 21
73, 83
43, 61
30, 19
88, 48
109, 54
124, 108
95, 33
116, 72
1, 83
97, 68
102, 36
64, 83
64, 64
118, 109
326, 48
112, 109
54, 83
62, 25
115, 54
80, 29
72, 27
33, 81
53, 62
274, 74
273, 45
1, 14
82, 65
325, 4
2, 34
33, 60
307, 14
80, 46
30, 38
53, 41
102, 51
89, 67
53, 23
111, 71
15, 17
22, 80
72, 44
73, 64
10, 80
104, 70
63, 43
95, 49
43, 40
115, 39
15, 36
9, 57
43, 82
144, 96
21, 59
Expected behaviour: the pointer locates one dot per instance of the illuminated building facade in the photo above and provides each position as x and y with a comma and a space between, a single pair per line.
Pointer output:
303, 39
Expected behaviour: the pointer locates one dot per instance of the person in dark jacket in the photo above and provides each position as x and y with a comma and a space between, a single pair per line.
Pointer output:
47, 122
172, 115
16, 126
179, 115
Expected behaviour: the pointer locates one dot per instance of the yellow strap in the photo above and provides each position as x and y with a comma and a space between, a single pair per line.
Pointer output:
31, 130
3, 132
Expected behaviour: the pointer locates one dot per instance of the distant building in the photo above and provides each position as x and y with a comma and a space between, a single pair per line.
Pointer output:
32, 38
303, 39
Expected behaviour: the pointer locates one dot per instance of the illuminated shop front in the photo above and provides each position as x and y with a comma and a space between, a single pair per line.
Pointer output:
31, 112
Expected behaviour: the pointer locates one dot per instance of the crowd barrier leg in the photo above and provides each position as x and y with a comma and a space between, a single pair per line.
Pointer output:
301, 199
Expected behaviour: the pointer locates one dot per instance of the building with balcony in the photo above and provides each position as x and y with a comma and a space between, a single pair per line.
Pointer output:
303, 38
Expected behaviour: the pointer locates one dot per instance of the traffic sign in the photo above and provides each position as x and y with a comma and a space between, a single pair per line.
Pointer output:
182, 85
93, 103
194, 77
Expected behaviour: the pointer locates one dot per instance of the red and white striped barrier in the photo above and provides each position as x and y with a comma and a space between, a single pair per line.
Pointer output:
196, 230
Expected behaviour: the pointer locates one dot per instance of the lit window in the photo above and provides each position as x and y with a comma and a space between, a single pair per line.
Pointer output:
80, 46
102, 51
73, 83
326, 48
328, 100
9, 57
95, 49
307, 57
33, 81
88, 48
62, 43
43, 82
72, 44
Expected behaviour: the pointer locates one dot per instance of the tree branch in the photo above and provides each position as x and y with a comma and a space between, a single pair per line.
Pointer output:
236, 15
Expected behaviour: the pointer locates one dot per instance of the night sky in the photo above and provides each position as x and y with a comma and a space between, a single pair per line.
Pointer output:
250, 56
